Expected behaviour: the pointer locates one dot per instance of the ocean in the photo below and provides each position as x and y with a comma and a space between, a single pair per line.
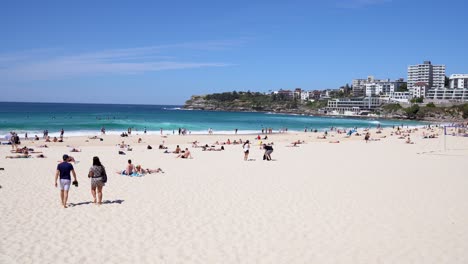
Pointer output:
88, 119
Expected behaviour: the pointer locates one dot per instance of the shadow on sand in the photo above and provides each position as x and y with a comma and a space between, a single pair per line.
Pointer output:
118, 201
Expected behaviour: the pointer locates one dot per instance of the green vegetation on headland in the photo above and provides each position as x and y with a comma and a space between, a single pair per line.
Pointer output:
280, 103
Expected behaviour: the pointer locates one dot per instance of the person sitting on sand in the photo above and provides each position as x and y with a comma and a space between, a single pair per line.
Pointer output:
177, 150
122, 145
408, 141
367, 137
139, 140
55, 139
161, 146
129, 169
36, 137
185, 155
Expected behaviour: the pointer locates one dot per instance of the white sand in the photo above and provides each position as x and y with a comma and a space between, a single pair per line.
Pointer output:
351, 202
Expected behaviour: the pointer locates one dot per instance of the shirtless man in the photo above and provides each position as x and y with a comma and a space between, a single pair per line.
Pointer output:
129, 169
185, 155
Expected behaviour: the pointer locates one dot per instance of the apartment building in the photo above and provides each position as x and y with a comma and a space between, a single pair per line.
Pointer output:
373, 87
432, 75
459, 81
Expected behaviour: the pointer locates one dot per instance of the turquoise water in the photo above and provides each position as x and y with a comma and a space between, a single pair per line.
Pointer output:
87, 119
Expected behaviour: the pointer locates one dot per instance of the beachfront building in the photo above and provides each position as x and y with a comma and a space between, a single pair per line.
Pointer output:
459, 81
440, 95
432, 75
315, 94
286, 93
373, 87
359, 85
304, 96
402, 97
353, 105
419, 89
383, 87
297, 93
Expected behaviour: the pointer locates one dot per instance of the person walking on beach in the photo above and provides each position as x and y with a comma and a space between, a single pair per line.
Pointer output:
97, 174
246, 150
63, 172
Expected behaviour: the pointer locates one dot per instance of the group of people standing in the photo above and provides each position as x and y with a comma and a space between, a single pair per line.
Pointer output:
64, 172
266, 155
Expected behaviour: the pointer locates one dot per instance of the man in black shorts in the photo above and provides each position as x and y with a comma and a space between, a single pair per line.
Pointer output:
63, 171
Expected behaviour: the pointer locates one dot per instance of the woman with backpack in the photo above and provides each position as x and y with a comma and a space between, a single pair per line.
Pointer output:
98, 176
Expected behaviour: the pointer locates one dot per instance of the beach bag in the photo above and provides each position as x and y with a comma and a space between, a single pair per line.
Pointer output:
104, 175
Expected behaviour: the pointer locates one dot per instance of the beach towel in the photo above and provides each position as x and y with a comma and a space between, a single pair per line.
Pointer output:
133, 174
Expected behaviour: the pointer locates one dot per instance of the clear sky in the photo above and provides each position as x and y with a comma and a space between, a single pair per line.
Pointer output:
162, 52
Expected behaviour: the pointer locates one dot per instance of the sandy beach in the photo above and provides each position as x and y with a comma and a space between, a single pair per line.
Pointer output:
353, 202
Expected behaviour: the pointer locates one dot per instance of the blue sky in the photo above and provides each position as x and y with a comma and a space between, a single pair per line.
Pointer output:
162, 52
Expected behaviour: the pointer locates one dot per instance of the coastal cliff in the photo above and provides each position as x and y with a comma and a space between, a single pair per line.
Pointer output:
258, 102
251, 102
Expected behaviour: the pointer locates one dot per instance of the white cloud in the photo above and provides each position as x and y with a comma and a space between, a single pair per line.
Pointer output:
43, 65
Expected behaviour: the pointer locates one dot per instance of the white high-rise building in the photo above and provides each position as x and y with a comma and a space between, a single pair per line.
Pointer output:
459, 81
432, 75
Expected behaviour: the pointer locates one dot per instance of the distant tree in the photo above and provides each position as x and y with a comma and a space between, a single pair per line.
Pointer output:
402, 88
431, 105
391, 107
411, 112
417, 100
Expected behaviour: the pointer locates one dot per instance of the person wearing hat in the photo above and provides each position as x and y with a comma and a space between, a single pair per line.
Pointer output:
63, 172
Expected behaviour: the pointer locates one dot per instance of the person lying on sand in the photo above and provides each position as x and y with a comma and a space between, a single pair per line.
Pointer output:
140, 170
212, 149
75, 150
298, 142
69, 159
322, 137
21, 156
334, 141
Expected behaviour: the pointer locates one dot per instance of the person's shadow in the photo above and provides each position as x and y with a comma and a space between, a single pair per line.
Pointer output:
118, 201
